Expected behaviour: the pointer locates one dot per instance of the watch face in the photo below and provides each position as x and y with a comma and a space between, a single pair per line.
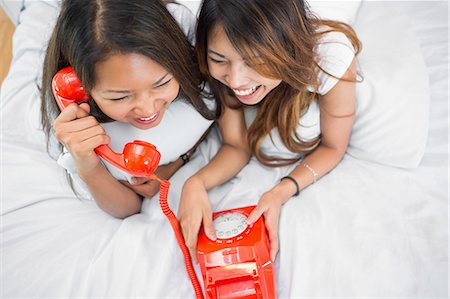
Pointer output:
230, 225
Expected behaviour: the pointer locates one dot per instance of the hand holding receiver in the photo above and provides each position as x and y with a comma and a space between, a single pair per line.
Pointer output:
195, 210
139, 158
80, 134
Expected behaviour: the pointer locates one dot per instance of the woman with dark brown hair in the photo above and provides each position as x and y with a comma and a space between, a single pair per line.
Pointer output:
140, 73
291, 77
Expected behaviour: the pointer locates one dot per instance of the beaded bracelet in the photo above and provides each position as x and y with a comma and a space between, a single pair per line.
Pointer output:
313, 172
294, 181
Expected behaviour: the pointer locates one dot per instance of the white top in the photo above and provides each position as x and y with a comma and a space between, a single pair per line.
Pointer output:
336, 53
181, 127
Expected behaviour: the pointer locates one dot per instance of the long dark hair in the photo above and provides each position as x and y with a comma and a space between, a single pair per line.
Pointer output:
284, 34
89, 31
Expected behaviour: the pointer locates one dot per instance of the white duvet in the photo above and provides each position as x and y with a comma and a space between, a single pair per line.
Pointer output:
364, 230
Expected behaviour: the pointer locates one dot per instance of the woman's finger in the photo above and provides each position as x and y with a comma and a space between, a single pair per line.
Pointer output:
273, 241
271, 221
256, 213
68, 114
191, 237
208, 226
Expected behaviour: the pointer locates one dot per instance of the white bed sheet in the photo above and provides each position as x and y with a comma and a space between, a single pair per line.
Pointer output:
364, 230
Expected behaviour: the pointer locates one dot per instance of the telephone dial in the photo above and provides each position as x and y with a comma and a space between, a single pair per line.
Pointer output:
237, 264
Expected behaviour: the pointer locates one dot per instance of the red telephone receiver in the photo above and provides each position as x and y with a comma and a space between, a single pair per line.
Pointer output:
139, 158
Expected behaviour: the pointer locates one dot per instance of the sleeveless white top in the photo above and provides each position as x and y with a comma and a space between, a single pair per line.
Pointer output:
336, 53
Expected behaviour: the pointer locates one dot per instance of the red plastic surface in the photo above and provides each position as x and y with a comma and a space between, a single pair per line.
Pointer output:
237, 267
67, 88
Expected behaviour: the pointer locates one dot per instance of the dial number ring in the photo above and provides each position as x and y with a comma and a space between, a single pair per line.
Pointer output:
230, 225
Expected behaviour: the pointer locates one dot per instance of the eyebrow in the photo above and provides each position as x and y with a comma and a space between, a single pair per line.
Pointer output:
159, 81
116, 91
215, 53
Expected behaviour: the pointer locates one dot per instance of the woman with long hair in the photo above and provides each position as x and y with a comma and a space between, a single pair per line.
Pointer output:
292, 77
140, 74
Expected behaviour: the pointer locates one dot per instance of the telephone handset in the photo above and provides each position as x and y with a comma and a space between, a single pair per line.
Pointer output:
139, 158
237, 264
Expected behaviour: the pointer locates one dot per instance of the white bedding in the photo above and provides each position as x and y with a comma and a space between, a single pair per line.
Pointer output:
364, 230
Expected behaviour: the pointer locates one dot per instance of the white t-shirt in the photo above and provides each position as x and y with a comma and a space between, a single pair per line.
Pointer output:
181, 127
336, 53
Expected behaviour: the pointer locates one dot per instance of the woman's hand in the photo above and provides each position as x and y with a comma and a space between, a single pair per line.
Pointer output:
147, 187
269, 206
194, 210
80, 133
143, 186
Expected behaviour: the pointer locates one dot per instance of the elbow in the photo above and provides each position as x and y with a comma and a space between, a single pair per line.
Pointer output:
340, 153
336, 153
242, 150
246, 154
122, 212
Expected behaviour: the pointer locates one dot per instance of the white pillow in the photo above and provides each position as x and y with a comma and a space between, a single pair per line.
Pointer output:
391, 124
338, 10
193, 5
12, 9
344, 11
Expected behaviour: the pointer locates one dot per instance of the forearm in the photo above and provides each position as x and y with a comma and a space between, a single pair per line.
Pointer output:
317, 164
225, 165
165, 172
110, 195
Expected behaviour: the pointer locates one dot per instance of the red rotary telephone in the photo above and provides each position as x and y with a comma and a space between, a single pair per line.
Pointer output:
237, 264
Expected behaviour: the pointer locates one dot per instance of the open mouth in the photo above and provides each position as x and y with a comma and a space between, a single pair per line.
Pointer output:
147, 120
246, 93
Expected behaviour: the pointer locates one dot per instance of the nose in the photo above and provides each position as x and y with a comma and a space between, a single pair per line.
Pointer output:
145, 105
237, 75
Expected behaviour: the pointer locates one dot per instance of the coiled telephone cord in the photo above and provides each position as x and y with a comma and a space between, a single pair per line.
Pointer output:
163, 195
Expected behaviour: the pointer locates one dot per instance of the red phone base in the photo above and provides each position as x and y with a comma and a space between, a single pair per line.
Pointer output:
237, 265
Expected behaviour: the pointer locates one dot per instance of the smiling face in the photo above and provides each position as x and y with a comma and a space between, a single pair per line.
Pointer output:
134, 89
226, 65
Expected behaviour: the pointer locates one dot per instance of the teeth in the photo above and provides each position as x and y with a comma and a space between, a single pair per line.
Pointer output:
148, 118
245, 92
